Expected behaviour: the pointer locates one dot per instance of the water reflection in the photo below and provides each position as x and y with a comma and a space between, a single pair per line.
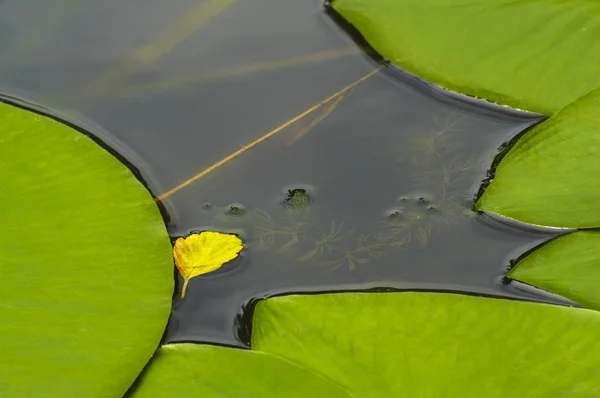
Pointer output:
379, 179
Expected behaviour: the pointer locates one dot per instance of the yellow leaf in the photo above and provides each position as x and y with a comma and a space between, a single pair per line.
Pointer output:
204, 252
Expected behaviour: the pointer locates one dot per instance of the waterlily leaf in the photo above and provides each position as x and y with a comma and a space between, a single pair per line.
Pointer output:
189, 370
568, 266
204, 252
86, 267
435, 345
548, 177
534, 55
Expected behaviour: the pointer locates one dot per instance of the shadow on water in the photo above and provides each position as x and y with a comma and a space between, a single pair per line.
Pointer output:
372, 190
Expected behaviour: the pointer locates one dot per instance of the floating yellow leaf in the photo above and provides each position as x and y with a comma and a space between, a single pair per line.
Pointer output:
204, 252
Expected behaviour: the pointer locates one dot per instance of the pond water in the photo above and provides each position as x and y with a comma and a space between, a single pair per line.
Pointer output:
373, 189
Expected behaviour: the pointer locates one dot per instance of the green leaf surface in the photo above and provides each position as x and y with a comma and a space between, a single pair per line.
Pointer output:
568, 266
188, 370
433, 345
549, 176
534, 55
86, 268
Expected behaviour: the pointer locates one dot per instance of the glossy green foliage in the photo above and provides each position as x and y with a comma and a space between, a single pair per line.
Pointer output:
433, 345
568, 266
534, 55
86, 269
549, 177
188, 370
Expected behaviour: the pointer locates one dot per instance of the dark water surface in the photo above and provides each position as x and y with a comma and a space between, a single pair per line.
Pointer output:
382, 178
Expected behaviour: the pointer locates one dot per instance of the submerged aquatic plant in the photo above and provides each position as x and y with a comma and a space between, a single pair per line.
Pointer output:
416, 219
361, 251
258, 228
437, 143
327, 243
296, 220
438, 168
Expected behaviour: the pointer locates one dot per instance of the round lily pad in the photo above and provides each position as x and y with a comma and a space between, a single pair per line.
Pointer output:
549, 176
414, 344
567, 266
86, 269
534, 55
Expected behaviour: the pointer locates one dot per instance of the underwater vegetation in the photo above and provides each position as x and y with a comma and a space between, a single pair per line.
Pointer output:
440, 176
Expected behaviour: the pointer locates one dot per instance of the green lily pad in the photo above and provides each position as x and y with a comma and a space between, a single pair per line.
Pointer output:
568, 266
435, 345
86, 264
188, 370
548, 177
534, 55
